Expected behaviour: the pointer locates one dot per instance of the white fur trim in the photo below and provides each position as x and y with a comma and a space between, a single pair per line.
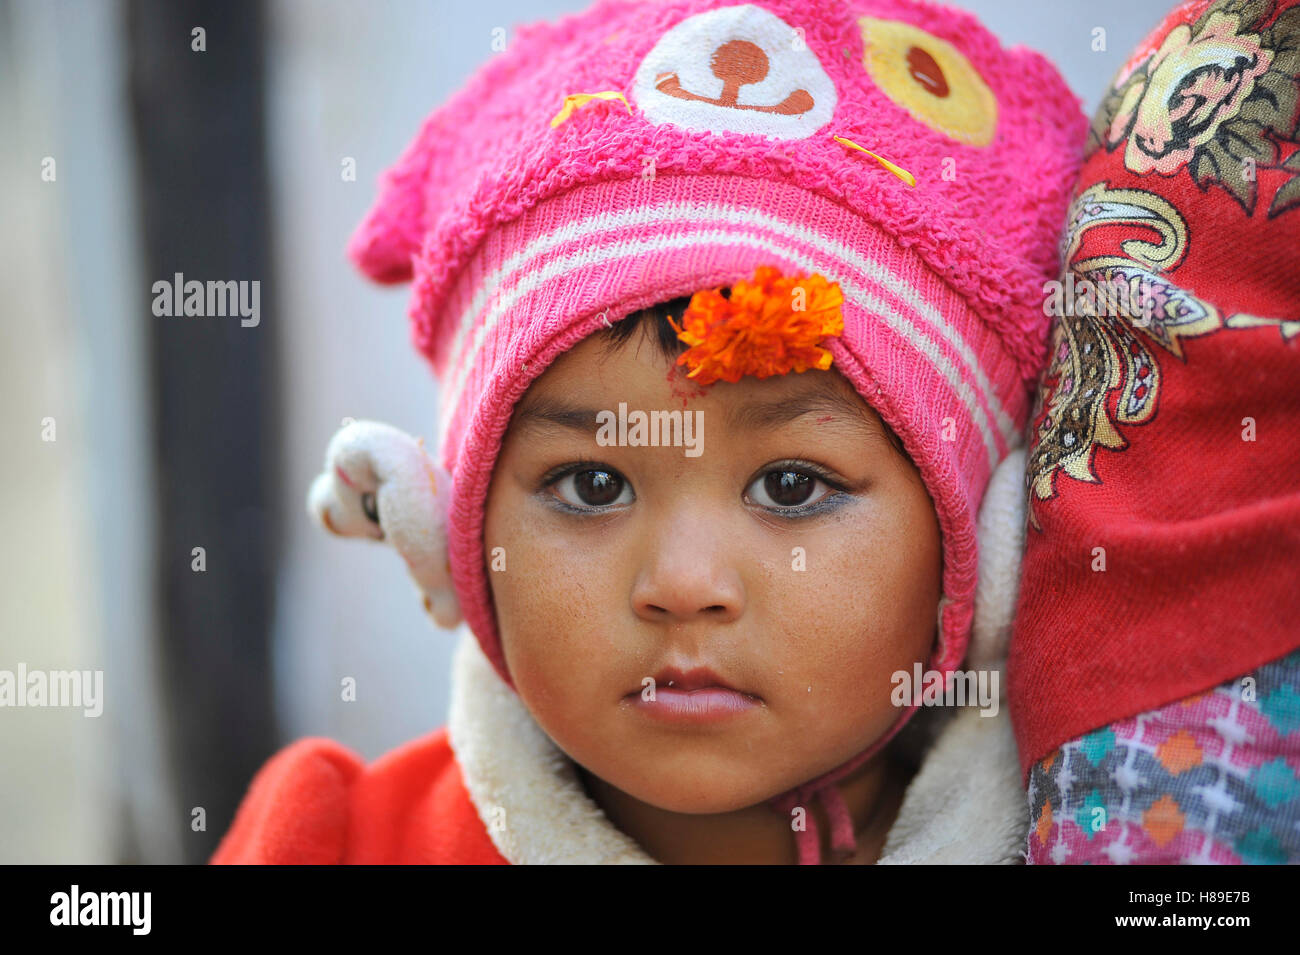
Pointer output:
510, 764
964, 805
1001, 536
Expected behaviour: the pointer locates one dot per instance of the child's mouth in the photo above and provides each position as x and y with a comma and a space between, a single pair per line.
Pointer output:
695, 696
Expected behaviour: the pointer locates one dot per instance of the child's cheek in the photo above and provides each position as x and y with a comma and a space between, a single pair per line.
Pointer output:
863, 610
549, 609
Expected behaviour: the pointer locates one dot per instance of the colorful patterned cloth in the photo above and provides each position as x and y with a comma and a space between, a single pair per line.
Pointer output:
1164, 457
1213, 778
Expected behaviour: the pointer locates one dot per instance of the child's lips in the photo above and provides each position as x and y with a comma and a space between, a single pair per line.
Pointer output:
695, 696
696, 678
710, 704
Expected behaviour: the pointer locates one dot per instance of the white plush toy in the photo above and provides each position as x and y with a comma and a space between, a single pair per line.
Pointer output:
379, 483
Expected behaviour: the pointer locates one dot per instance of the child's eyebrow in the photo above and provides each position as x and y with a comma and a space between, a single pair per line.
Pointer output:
774, 412
545, 413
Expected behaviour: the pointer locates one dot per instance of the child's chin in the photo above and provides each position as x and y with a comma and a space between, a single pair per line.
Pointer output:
699, 796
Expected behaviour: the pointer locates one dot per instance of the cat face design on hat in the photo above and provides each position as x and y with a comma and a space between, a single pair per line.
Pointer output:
735, 69
743, 69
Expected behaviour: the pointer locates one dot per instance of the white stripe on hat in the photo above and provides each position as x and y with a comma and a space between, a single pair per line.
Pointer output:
730, 215
613, 222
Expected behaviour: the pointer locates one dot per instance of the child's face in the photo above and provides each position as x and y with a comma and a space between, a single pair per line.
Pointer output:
803, 596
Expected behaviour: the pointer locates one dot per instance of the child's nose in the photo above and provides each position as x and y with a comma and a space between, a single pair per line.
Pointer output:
684, 578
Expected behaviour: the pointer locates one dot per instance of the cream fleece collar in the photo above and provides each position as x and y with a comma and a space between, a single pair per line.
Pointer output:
964, 805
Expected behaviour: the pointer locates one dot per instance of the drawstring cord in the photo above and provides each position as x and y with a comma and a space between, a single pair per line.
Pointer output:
843, 840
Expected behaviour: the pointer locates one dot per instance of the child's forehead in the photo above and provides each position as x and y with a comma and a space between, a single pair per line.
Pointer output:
593, 367
782, 398
588, 380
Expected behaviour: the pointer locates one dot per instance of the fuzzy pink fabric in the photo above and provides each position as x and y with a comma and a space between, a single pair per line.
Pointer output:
489, 152
521, 239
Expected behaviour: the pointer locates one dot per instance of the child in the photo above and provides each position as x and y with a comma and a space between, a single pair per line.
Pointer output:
736, 311
1154, 669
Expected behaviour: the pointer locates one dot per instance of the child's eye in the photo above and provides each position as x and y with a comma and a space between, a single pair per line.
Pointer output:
794, 489
593, 488
788, 489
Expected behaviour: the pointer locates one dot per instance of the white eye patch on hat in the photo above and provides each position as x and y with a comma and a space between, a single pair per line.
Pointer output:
737, 69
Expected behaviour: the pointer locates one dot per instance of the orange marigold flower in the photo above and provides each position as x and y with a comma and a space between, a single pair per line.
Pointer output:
769, 326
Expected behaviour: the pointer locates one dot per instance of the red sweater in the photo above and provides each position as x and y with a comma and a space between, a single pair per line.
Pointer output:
315, 802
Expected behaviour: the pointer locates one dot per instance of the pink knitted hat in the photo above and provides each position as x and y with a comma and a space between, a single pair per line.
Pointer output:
637, 152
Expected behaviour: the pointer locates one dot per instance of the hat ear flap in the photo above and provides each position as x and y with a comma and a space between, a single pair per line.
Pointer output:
1001, 543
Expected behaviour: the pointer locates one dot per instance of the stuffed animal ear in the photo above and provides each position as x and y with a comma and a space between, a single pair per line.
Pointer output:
379, 483
1001, 542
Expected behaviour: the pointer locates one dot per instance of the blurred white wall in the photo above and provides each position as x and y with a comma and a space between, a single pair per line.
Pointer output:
1067, 34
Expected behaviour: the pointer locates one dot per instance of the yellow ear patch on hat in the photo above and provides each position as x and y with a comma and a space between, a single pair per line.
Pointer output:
931, 79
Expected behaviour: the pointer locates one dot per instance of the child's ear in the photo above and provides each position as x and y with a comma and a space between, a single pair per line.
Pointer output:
379, 483
1001, 542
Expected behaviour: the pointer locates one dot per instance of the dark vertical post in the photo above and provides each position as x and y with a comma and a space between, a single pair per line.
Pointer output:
201, 162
